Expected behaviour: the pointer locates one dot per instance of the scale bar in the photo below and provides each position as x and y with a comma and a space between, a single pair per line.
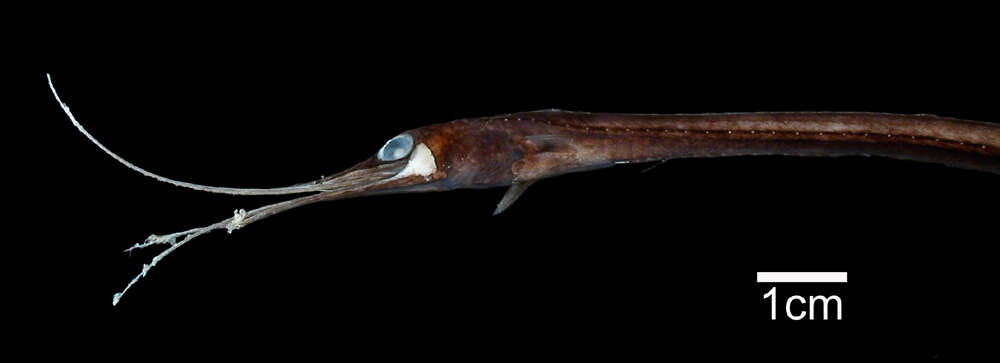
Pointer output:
775, 277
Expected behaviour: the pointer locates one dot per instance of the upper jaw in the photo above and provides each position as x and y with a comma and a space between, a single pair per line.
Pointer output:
373, 175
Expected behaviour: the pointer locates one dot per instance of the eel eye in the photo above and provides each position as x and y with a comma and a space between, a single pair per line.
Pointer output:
396, 148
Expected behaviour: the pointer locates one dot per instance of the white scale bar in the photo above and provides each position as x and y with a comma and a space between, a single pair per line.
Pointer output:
801, 277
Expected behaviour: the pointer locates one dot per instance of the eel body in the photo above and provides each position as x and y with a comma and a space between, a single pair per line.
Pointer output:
523, 147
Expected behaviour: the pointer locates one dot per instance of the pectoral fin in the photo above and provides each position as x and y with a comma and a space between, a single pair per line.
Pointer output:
515, 191
547, 143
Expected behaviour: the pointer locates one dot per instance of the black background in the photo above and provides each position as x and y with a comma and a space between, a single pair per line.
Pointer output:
613, 263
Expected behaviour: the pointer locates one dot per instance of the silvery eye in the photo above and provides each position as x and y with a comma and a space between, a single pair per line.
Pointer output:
396, 148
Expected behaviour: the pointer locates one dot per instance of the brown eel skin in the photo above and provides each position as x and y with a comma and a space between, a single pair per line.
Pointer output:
524, 147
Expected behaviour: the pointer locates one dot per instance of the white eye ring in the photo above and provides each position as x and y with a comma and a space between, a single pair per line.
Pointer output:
396, 148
